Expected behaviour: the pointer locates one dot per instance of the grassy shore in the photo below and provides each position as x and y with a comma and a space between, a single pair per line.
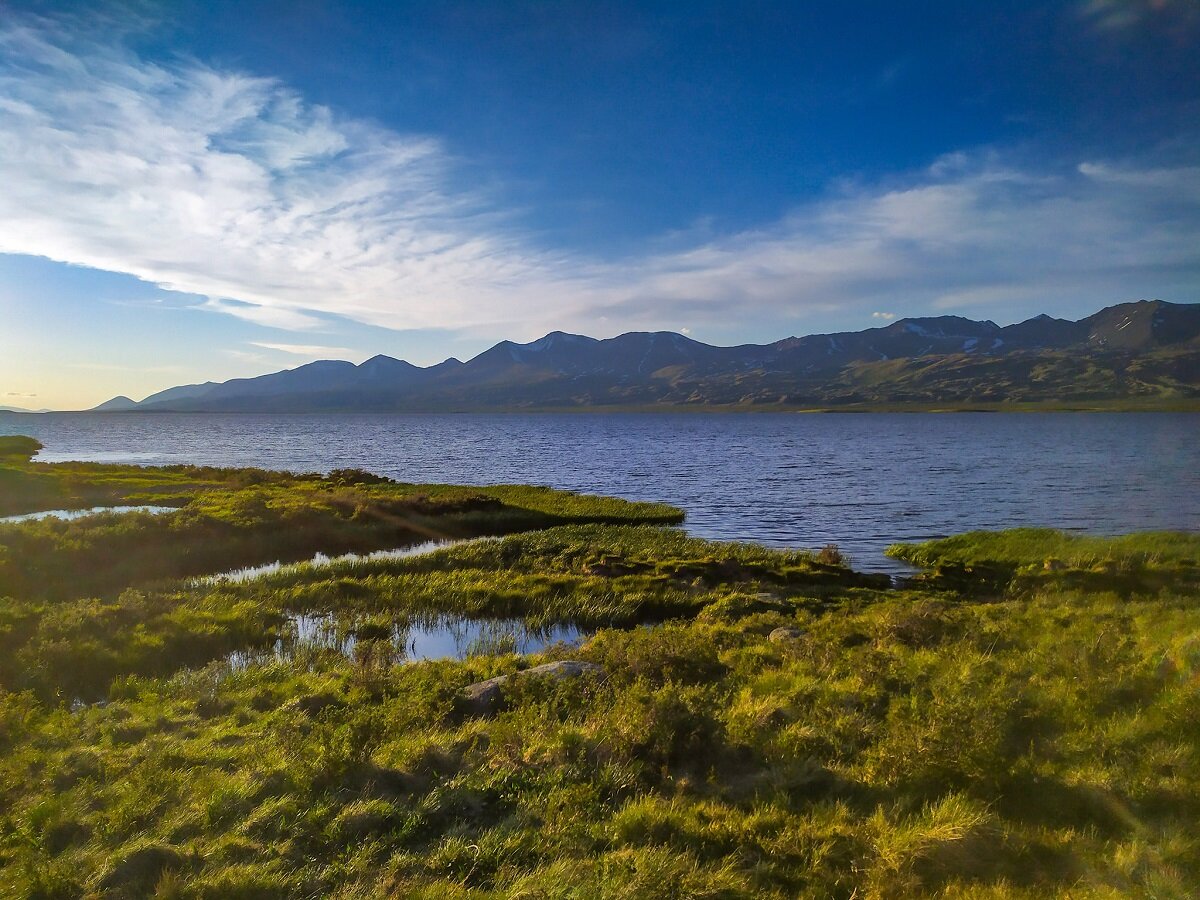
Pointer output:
761, 724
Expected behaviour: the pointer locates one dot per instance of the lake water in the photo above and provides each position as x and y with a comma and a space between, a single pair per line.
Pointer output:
69, 514
346, 562
439, 637
861, 481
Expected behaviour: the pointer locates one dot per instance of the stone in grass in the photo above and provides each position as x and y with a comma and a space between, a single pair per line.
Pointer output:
485, 697
785, 635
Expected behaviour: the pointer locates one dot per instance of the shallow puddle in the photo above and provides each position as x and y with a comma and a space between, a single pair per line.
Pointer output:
69, 514
443, 637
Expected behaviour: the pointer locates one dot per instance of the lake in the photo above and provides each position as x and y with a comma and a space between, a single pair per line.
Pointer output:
861, 481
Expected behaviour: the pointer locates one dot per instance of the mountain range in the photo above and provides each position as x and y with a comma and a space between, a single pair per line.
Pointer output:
1141, 352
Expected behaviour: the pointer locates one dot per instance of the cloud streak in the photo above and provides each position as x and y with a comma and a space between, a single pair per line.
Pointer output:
1178, 16
312, 350
282, 213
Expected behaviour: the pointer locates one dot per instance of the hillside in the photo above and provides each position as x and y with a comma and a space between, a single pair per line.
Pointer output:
1136, 353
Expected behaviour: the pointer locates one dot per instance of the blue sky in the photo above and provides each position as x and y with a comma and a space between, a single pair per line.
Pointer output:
197, 191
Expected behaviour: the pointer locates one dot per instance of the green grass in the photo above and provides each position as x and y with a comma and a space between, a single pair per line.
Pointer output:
18, 448
901, 747
588, 576
1025, 559
1032, 546
948, 740
224, 524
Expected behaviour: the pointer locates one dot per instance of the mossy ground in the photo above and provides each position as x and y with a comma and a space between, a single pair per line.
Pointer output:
1034, 739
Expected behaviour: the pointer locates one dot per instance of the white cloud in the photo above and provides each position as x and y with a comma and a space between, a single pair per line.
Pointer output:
245, 356
942, 239
883, 315
1180, 16
307, 350
233, 188
270, 316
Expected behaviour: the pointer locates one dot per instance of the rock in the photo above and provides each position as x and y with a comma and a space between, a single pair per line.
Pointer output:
485, 697
785, 635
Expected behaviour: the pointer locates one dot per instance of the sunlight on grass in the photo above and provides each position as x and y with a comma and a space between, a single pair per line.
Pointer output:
762, 723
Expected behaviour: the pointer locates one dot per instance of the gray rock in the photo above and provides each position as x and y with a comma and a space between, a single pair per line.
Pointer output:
485, 697
785, 635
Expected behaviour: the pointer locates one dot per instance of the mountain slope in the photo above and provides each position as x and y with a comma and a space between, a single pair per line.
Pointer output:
1134, 351
118, 404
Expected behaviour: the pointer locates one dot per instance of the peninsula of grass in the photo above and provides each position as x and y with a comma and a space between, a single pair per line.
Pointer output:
232, 518
755, 723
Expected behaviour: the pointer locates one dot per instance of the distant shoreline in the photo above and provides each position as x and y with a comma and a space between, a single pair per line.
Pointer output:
1100, 406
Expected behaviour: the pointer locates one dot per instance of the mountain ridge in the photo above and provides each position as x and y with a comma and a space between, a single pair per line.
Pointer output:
1137, 349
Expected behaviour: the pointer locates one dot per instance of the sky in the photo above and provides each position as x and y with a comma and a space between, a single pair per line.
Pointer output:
194, 191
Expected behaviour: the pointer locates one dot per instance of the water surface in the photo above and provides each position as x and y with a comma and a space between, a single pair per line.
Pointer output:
438, 637
861, 481
322, 561
69, 514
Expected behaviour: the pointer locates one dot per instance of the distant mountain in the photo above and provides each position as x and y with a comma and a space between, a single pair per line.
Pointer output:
1148, 350
119, 404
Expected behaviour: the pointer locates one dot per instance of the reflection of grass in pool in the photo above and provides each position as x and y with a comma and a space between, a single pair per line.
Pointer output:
493, 640
410, 638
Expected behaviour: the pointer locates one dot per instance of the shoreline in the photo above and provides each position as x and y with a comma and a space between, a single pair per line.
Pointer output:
1115, 406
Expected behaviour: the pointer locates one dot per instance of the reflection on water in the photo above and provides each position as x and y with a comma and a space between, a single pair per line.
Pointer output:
320, 560
413, 638
437, 637
68, 514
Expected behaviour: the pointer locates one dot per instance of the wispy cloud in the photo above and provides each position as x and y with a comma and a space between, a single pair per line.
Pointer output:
888, 316
270, 315
245, 356
283, 213
231, 187
1121, 15
312, 350
965, 229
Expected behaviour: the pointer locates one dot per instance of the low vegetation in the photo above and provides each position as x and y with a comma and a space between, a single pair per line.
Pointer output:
763, 723
1023, 560
230, 518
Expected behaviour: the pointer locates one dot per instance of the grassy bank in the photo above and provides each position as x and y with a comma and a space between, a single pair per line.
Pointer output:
230, 518
762, 724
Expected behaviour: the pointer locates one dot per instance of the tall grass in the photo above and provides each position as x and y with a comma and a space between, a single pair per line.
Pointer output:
898, 747
779, 727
